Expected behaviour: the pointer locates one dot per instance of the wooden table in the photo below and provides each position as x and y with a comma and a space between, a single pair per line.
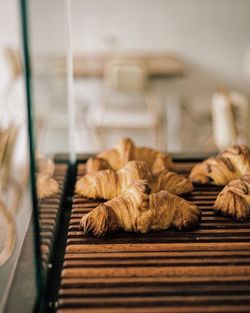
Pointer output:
162, 64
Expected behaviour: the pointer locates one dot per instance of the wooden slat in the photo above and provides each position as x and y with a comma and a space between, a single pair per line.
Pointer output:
94, 282
187, 300
162, 309
142, 271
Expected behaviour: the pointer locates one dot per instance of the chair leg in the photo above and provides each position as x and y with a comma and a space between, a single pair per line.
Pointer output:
101, 138
162, 140
159, 140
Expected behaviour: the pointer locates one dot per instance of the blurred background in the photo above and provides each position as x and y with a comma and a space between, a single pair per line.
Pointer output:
171, 74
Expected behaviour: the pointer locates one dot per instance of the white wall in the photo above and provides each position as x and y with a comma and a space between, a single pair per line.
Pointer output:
210, 35
9, 23
9, 35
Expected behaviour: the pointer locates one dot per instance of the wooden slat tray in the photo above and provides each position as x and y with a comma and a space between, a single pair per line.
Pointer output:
203, 270
48, 213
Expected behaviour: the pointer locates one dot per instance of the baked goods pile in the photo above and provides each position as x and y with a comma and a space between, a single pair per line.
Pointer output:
231, 169
143, 193
141, 190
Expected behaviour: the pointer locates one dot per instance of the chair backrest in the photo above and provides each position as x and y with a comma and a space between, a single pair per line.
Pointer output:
223, 121
241, 109
125, 82
125, 75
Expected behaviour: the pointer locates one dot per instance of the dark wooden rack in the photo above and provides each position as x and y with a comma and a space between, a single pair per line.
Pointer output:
49, 214
203, 270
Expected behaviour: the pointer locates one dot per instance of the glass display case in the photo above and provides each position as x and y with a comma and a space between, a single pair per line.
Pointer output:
16, 218
19, 237
94, 73
30, 216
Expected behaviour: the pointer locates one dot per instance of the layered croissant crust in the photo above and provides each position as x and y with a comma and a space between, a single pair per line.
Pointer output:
126, 151
94, 165
139, 211
228, 165
234, 199
109, 184
44, 165
46, 186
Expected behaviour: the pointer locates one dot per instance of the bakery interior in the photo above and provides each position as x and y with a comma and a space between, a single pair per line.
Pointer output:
124, 160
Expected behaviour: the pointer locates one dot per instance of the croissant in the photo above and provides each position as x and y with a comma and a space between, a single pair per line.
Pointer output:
170, 181
44, 165
228, 165
108, 184
96, 164
234, 199
46, 186
126, 151
139, 211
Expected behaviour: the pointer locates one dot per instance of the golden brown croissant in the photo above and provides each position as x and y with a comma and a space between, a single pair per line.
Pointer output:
96, 164
234, 199
170, 181
139, 211
46, 186
156, 160
108, 184
126, 151
44, 165
228, 165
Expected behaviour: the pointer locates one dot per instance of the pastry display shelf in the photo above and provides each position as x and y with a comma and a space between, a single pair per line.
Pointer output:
202, 270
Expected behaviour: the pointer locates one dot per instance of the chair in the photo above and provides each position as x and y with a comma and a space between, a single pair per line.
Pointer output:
230, 119
127, 105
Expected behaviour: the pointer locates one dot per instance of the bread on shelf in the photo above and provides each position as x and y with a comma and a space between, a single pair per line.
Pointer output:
232, 163
108, 184
94, 165
46, 185
44, 165
126, 151
234, 199
138, 210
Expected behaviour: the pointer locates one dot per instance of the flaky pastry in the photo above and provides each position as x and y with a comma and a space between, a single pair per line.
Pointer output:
44, 165
126, 151
108, 184
234, 199
46, 186
139, 211
228, 165
94, 165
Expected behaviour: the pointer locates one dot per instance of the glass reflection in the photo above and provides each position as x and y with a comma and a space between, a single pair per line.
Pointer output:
15, 198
